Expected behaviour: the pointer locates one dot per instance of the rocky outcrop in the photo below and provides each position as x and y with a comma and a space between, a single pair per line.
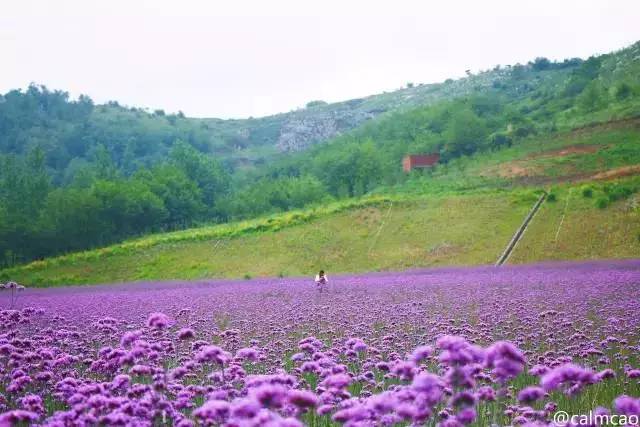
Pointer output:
301, 130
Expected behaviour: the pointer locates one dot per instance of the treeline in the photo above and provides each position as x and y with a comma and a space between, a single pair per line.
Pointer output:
102, 206
38, 219
74, 133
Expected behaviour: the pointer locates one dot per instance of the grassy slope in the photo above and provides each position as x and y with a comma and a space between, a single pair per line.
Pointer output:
462, 230
586, 232
441, 225
615, 144
396, 235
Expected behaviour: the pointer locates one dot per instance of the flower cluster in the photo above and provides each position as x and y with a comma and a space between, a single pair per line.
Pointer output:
452, 347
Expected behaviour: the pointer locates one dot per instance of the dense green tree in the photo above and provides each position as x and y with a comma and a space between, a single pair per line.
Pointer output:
71, 220
541, 63
128, 208
208, 174
275, 195
104, 164
592, 97
182, 198
623, 91
465, 133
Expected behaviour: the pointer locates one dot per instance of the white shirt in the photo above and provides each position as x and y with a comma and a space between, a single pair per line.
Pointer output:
326, 279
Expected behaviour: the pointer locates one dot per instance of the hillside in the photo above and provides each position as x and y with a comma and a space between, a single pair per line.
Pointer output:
40, 117
75, 176
462, 214
436, 231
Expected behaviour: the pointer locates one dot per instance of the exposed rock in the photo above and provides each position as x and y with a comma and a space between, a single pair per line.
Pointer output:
302, 130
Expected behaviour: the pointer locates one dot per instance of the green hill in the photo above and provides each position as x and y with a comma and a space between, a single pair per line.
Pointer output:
424, 232
461, 214
71, 132
75, 176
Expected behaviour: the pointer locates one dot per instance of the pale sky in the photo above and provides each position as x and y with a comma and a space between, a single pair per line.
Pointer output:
234, 59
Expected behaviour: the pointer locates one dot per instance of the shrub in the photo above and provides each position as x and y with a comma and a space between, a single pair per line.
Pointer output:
500, 140
602, 202
587, 192
541, 63
592, 98
618, 192
524, 131
317, 103
623, 91
247, 276
552, 197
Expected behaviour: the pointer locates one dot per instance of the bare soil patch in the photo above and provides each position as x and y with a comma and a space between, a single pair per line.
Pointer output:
617, 173
566, 151
515, 169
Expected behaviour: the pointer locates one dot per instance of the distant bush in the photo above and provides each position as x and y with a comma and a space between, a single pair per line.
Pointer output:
500, 140
602, 202
618, 192
317, 103
575, 86
518, 71
593, 97
587, 192
570, 63
623, 91
247, 276
541, 63
552, 197
524, 131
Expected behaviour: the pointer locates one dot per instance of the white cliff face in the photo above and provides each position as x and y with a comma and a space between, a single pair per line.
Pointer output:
300, 132
297, 134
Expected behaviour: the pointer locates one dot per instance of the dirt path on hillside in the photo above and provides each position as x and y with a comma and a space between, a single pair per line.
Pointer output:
617, 173
527, 175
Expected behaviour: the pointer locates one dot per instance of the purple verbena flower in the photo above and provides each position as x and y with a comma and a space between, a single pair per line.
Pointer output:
531, 394
186, 333
158, 321
627, 405
568, 374
506, 360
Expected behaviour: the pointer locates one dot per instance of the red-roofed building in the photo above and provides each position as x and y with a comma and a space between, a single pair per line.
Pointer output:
414, 161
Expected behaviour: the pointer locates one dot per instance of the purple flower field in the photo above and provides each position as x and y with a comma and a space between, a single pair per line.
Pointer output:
450, 347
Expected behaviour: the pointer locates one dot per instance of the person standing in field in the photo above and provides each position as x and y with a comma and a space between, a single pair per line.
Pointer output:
321, 280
